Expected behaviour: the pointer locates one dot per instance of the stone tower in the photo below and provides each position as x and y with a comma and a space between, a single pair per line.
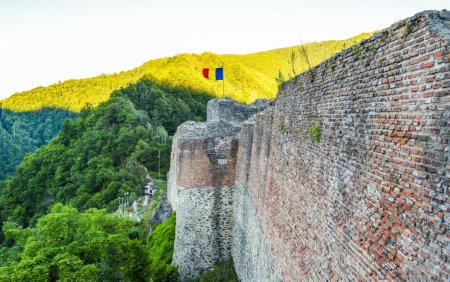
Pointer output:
201, 180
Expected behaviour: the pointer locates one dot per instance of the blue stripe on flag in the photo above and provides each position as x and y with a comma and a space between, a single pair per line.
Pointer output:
219, 74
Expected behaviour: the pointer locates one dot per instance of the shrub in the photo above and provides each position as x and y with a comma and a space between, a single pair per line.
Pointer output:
314, 132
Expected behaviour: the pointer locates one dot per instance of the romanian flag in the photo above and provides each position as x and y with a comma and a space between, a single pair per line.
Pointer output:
214, 74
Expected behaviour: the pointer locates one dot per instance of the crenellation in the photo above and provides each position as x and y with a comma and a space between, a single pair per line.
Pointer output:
369, 201
230, 111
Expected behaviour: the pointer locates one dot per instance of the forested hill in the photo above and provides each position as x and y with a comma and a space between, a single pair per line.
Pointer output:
99, 155
24, 132
247, 77
52, 229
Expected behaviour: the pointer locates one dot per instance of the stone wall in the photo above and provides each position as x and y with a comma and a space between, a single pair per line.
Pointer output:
201, 176
231, 111
196, 148
370, 200
203, 228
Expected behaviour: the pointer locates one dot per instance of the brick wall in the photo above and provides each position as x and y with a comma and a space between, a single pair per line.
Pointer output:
370, 201
252, 257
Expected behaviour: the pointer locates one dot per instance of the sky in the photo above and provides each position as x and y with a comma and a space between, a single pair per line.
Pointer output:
46, 41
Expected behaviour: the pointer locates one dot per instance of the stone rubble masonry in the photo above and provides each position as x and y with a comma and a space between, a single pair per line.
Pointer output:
203, 228
370, 201
200, 190
233, 112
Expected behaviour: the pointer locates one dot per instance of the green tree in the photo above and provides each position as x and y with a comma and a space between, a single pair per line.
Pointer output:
67, 245
23, 133
83, 165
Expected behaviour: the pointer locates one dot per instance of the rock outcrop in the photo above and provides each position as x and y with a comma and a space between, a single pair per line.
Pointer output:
163, 211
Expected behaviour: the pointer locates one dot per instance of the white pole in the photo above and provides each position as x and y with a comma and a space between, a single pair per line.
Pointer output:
159, 164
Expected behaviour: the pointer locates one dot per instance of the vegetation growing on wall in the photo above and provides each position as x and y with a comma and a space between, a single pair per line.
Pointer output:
314, 132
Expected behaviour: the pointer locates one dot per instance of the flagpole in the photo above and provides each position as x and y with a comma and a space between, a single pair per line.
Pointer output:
223, 82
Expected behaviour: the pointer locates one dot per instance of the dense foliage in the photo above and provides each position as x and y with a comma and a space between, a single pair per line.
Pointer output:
247, 77
89, 164
166, 106
98, 156
24, 132
93, 160
67, 245
160, 247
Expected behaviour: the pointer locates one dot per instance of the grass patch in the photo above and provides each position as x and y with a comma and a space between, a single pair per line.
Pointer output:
314, 132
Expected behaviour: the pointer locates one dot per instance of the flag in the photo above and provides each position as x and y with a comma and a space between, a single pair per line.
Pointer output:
214, 74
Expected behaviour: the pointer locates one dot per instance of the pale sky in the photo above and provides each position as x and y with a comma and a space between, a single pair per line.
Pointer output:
46, 41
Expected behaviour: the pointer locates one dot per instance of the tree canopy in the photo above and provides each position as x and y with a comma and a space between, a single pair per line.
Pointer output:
53, 228
101, 154
67, 245
23, 132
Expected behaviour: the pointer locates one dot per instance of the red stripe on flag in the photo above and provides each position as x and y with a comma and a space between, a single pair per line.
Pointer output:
206, 73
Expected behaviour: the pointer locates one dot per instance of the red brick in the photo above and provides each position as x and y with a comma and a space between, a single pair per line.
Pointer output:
437, 54
427, 65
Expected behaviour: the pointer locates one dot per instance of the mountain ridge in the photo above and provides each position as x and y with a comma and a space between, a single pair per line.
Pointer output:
247, 77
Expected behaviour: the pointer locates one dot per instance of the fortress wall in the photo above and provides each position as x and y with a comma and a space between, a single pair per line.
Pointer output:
203, 229
370, 201
251, 254
231, 111
196, 169
195, 148
200, 191
172, 175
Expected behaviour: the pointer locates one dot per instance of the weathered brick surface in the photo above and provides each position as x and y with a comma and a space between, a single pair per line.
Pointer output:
370, 201
252, 257
196, 148
196, 168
